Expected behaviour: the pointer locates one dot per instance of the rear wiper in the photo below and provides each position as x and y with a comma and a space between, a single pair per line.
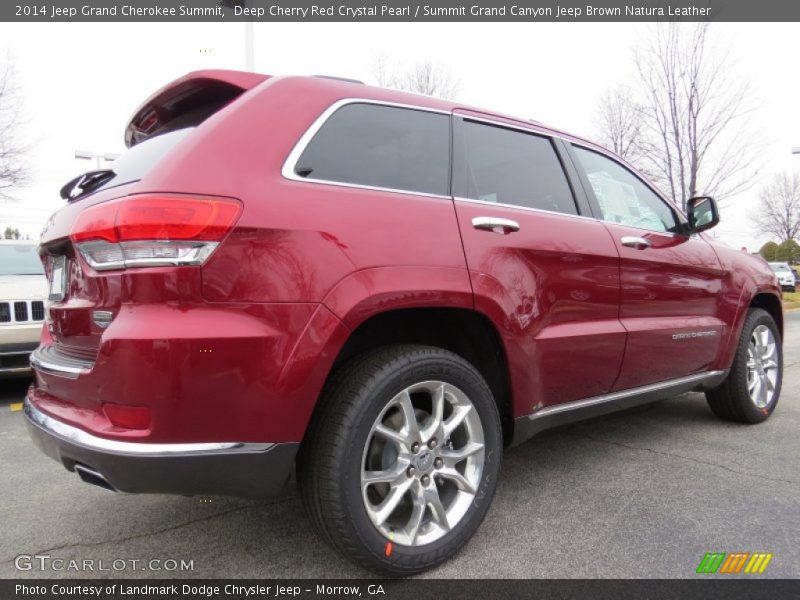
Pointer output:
82, 184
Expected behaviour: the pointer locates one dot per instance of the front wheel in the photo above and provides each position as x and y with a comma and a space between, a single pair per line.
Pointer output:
403, 457
751, 391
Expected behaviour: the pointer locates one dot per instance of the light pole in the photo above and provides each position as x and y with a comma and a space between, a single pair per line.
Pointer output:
100, 157
249, 39
249, 47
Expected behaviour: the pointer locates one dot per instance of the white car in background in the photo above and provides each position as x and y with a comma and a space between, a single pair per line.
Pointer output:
785, 275
23, 291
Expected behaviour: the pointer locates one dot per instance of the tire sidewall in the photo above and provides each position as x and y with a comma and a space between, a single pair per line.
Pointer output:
755, 414
373, 401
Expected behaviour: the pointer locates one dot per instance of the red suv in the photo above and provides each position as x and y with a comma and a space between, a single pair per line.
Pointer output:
379, 289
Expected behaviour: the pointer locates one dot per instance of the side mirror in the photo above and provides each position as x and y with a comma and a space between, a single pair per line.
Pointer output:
703, 213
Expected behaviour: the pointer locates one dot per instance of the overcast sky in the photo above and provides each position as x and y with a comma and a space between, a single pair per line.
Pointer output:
80, 82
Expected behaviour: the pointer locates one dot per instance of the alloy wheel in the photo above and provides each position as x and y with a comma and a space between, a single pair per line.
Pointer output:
422, 463
762, 366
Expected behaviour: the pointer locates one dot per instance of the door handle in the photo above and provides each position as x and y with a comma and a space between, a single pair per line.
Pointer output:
632, 241
496, 224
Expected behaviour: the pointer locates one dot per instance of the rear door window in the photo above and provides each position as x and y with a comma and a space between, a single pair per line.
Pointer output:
381, 146
509, 166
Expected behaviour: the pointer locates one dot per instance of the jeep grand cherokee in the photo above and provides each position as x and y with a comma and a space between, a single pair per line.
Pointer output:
379, 290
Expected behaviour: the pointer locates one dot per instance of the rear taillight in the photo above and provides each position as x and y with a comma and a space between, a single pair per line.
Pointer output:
153, 230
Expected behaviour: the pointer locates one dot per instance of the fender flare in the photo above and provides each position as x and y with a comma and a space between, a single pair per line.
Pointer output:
749, 292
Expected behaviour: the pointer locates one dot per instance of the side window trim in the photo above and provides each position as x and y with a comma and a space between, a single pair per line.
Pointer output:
457, 136
594, 205
288, 168
573, 177
677, 215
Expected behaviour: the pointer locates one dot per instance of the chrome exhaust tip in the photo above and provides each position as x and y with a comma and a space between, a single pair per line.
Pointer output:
91, 476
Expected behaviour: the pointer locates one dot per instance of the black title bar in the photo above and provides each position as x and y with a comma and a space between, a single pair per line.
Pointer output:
399, 10
398, 589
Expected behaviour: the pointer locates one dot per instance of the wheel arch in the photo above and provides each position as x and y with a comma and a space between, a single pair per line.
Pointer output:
463, 331
766, 298
771, 303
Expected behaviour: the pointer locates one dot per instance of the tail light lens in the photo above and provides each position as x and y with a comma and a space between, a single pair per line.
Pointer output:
153, 230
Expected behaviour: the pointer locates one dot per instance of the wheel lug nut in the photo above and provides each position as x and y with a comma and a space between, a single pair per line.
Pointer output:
425, 480
415, 447
438, 463
432, 443
410, 471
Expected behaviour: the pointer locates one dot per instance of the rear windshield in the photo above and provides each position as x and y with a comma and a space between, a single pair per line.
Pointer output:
20, 259
134, 164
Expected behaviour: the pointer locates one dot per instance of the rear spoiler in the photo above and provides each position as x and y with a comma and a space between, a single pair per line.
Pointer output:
187, 101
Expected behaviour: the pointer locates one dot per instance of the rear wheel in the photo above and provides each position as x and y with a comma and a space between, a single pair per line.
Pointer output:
402, 459
751, 391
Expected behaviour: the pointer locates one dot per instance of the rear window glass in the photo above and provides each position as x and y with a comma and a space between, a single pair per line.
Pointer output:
20, 259
381, 146
135, 163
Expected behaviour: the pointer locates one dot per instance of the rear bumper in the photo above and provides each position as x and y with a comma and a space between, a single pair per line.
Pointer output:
216, 468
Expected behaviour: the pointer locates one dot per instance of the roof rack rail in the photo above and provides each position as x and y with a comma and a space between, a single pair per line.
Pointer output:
347, 79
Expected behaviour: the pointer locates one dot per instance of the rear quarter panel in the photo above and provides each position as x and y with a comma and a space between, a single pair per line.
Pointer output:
351, 252
296, 240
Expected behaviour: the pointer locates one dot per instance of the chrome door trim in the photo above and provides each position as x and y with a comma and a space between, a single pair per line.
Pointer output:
523, 126
526, 208
87, 440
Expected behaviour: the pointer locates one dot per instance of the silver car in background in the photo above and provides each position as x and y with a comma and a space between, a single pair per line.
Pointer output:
23, 291
786, 277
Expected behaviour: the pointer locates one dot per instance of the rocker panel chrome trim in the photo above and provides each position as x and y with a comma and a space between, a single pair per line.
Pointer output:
570, 412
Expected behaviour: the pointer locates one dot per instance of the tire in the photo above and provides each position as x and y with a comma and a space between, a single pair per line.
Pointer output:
344, 447
737, 399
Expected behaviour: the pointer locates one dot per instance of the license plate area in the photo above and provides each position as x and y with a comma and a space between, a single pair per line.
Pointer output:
58, 279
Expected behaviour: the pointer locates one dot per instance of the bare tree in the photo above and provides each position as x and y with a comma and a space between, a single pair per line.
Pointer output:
383, 71
696, 109
620, 123
11, 234
431, 80
422, 77
13, 168
779, 207
695, 136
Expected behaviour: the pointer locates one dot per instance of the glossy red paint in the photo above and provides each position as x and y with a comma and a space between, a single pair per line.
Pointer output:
552, 288
240, 348
671, 289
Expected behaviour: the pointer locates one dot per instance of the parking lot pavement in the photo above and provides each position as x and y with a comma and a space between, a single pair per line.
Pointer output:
645, 493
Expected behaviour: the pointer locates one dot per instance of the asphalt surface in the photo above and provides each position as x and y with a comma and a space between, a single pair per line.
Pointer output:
644, 493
